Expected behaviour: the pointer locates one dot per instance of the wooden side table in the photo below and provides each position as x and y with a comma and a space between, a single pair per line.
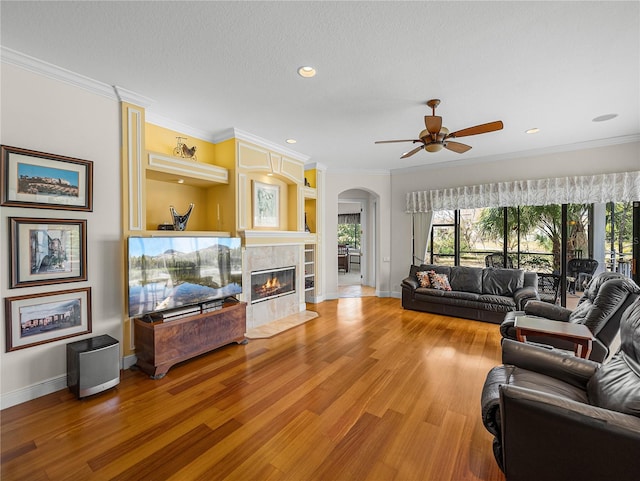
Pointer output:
578, 334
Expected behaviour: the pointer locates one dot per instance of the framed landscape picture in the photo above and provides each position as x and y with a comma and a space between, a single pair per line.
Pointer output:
40, 318
266, 205
47, 251
39, 180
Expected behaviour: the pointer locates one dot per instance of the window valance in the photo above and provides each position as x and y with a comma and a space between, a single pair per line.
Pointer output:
617, 187
349, 218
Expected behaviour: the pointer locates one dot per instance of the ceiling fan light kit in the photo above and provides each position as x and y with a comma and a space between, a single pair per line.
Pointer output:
435, 137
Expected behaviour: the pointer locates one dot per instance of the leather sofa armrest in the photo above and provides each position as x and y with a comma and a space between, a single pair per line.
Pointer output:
532, 448
556, 363
410, 282
548, 311
524, 296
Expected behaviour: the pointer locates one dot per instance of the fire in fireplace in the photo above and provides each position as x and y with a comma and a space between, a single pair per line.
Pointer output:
271, 283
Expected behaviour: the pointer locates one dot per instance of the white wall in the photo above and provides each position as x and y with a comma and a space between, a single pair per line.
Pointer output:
51, 116
589, 161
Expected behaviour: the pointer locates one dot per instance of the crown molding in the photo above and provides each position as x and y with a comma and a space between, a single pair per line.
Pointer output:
254, 139
590, 144
316, 165
48, 70
129, 96
155, 119
32, 64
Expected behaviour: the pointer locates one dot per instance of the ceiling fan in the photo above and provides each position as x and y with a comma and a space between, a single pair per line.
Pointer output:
435, 136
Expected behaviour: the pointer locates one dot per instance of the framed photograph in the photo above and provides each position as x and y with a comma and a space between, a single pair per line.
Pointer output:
40, 318
266, 205
47, 251
46, 181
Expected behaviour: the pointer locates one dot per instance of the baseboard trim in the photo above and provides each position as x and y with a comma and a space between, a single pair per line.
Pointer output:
49, 386
28, 393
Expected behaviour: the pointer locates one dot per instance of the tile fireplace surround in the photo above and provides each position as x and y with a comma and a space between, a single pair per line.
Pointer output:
258, 258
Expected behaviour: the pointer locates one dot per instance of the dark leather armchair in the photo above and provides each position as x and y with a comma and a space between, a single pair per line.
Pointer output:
600, 309
558, 417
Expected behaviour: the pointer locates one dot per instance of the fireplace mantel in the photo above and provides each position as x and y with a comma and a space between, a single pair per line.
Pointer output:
276, 237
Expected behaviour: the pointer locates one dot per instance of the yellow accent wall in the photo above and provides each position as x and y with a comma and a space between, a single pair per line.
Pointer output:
163, 141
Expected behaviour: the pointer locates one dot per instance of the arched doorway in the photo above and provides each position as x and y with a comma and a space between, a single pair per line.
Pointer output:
356, 232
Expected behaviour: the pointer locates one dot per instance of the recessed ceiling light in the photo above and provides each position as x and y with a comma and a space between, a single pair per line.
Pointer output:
534, 130
180, 181
307, 72
291, 141
604, 118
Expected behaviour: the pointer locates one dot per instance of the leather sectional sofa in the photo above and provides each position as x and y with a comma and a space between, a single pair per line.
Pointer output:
484, 294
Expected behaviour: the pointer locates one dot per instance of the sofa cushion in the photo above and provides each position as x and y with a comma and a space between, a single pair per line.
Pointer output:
498, 300
427, 294
423, 278
467, 279
413, 272
502, 282
439, 281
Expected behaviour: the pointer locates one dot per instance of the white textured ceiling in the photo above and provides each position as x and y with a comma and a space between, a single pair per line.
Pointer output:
216, 65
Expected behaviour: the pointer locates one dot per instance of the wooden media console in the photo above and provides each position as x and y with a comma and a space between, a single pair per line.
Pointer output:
162, 344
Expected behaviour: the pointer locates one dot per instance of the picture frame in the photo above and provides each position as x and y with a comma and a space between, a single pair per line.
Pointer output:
37, 319
45, 181
47, 251
266, 205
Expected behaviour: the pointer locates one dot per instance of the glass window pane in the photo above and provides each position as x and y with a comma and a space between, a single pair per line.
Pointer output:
540, 233
443, 245
491, 233
473, 247
619, 237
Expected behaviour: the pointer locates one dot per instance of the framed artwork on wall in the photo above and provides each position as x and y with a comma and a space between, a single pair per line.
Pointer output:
266, 205
46, 181
47, 251
40, 318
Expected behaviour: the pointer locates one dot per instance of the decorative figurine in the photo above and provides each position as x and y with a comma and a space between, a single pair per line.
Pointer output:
183, 151
180, 221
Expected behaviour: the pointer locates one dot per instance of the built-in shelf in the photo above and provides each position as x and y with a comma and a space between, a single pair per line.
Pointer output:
190, 172
184, 233
310, 193
309, 272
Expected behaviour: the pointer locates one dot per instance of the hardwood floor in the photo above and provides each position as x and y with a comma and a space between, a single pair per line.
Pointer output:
367, 391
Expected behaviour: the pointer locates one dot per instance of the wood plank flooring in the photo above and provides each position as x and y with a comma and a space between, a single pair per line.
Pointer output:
367, 391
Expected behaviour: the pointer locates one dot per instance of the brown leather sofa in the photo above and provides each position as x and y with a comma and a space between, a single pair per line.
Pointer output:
484, 294
600, 308
556, 416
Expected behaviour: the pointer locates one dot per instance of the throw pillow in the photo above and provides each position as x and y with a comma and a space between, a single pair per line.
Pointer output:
423, 278
439, 281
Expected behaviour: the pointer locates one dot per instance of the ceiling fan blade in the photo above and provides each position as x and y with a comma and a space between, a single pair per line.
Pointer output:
411, 152
478, 129
391, 141
433, 123
456, 147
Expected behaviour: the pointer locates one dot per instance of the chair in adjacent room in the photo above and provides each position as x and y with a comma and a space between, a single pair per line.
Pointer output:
579, 273
497, 260
343, 258
548, 287
556, 416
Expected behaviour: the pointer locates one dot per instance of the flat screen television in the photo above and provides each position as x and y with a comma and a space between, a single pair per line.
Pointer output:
166, 273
